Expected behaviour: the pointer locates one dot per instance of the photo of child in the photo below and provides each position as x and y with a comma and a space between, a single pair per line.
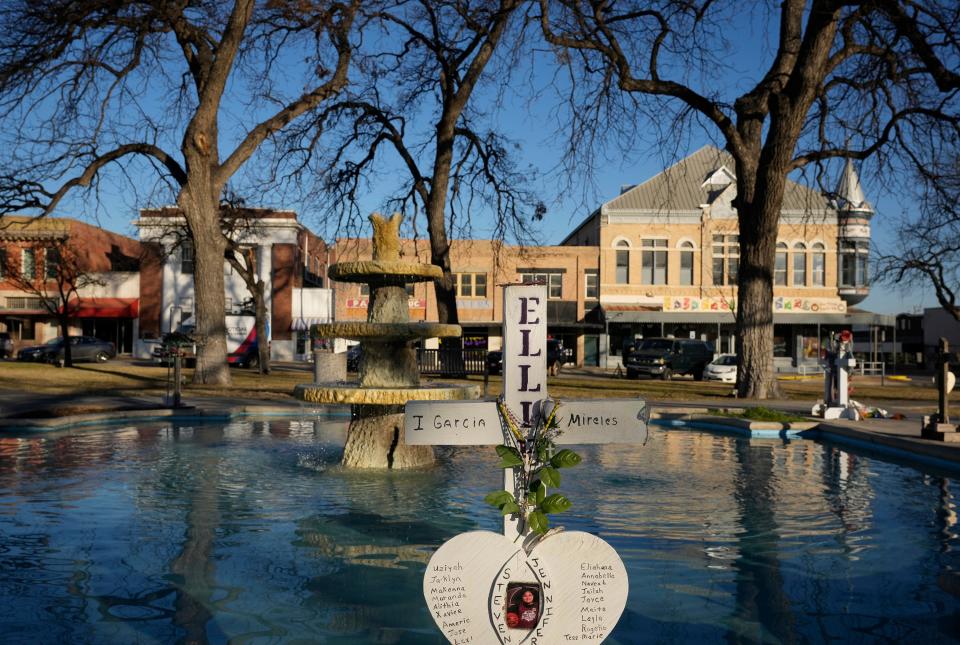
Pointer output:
523, 605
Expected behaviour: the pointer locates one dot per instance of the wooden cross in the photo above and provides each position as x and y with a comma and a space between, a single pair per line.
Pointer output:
477, 423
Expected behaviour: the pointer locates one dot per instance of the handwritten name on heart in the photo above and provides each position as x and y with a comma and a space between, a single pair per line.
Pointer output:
581, 581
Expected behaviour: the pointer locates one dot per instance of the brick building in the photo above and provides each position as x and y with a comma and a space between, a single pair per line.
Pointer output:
108, 309
669, 255
289, 258
481, 269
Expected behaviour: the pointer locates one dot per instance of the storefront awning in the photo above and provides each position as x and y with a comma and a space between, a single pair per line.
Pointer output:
621, 314
105, 308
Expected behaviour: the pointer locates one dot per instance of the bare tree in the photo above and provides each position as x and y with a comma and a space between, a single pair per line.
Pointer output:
91, 86
241, 228
927, 248
842, 80
55, 275
441, 55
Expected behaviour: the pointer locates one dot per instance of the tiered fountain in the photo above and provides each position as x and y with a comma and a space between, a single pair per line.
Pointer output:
389, 376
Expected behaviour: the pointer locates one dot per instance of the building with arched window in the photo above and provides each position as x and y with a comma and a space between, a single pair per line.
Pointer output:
682, 282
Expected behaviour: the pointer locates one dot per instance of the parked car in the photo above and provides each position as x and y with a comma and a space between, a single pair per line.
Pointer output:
494, 362
666, 357
82, 349
723, 368
6, 345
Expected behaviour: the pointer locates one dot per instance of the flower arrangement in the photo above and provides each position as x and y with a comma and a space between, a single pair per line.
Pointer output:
532, 452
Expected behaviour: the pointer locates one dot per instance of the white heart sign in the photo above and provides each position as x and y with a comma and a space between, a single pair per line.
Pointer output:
480, 586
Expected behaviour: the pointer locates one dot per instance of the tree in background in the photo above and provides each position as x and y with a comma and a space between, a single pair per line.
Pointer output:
54, 272
88, 87
843, 80
927, 248
416, 103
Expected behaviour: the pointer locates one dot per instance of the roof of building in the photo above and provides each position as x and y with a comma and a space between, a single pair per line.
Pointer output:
699, 179
13, 227
849, 192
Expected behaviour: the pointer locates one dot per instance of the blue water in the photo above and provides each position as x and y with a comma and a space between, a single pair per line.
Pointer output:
251, 533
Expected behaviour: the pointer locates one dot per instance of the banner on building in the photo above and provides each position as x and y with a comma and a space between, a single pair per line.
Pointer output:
676, 303
780, 305
361, 303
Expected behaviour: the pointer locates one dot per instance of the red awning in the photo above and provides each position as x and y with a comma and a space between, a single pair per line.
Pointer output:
105, 308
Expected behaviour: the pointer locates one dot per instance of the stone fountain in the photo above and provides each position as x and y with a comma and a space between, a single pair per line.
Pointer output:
389, 376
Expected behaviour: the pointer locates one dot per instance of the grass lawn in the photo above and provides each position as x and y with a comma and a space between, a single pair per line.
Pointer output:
126, 378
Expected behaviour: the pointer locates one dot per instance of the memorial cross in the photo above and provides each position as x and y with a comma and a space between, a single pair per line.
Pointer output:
474, 582
477, 423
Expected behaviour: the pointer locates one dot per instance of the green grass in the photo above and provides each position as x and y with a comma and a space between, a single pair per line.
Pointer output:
760, 414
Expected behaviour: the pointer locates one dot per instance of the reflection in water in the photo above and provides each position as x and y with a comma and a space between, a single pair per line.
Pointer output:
251, 532
763, 608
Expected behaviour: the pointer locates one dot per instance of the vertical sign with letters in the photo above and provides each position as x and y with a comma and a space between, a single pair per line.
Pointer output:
524, 347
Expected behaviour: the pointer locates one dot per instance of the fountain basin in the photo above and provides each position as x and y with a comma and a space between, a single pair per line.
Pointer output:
383, 270
354, 394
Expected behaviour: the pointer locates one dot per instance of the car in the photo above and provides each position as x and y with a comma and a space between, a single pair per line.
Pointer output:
6, 345
354, 354
82, 349
723, 368
668, 357
494, 362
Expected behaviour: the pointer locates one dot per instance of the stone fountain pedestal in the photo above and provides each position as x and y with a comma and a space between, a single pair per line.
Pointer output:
389, 376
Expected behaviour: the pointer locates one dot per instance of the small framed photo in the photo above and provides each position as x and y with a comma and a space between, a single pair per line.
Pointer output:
524, 604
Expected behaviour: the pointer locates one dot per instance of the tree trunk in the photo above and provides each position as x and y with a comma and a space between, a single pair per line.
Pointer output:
203, 218
65, 334
263, 343
759, 218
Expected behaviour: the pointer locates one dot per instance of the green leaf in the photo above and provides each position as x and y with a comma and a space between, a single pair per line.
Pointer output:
509, 457
539, 522
541, 492
532, 499
550, 476
509, 508
566, 458
556, 503
498, 498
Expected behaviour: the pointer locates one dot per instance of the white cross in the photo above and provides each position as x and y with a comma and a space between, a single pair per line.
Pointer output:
478, 423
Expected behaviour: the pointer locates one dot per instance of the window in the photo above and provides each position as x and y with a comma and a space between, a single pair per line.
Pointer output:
186, 257
653, 261
819, 265
591, 282
799, 265
51, 264
228, 305
853, 263
780, 267
623, 262
28, 263
553, 280
686, 263
726, 259
471, 285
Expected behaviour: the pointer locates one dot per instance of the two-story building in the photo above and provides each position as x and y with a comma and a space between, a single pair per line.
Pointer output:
669, 256
481, 269
32, 249
289, 258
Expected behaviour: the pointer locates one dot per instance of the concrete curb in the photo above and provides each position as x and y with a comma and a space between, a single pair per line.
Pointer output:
120, 417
